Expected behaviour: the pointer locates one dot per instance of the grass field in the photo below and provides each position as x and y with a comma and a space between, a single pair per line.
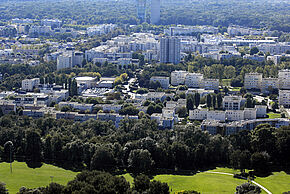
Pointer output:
216, 183
274, 115
279, 182
32, 178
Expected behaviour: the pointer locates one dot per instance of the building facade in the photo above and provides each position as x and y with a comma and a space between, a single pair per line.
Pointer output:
170, 50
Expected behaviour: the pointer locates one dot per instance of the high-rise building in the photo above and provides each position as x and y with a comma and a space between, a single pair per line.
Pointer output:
141, 10
155, 11
170, 50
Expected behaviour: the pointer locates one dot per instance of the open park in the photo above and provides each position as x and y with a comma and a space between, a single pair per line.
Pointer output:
204, 182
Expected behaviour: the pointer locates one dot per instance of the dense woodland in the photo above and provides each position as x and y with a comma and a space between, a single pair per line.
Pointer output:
258, 14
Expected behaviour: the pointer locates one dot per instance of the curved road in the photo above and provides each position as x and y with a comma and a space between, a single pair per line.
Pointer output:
224, 173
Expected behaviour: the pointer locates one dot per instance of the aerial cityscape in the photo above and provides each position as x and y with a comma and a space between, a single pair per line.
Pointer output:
144, 96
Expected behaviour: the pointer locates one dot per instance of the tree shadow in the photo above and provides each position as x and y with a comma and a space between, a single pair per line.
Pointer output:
34, 164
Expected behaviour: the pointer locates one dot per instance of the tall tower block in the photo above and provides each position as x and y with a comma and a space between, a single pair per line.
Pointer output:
141, 10
155, 11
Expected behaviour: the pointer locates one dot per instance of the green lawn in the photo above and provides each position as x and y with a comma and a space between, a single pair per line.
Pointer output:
201, 182
274, 115
279, 182
32, 178
236, 89
217, 183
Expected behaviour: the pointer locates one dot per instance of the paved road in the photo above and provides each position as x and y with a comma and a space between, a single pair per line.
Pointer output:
224, 173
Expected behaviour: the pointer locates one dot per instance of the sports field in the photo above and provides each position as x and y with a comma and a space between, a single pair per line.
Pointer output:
32, 178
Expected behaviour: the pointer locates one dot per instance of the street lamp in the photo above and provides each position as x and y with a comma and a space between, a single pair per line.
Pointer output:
9, 143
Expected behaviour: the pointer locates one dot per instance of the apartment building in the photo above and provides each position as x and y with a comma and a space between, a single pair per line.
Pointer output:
284, 98
253, 80
170, 50
178, 77
210, 84
284, 79
164, 81
30, 84
232, 102
69, 59
194, 80
269, 83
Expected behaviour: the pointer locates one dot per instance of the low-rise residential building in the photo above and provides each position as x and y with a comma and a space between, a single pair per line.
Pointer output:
269, 84
216, 127
194, 80
198, 114
86, 82
232, 102
253, 80
76, 105
216, 115
261, 111
250, 113
30, 84
106, 82
210, 84
284, 98
235, 115
7, 106
178, 77
284, 79
164, 81
259, 58
33, 113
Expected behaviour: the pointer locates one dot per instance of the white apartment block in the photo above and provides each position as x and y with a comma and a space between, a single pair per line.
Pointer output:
284, 98
229, 115
178, 77
284, 79
250, 113
261, 111
64, 61
101, 29
210, 84
253, 80
232, 102
164, 81
198, 114
76, 105
234, 115
278, 48
30, 84
216, 115
194, 80
268, 83
86, 82
69, 59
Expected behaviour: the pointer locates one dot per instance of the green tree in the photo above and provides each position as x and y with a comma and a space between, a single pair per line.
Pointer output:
189, 102
103, 158
260, 162
254, 50
196, 99
140, 160
33, 146
219, 100
247, 188
141, 183
208, 101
